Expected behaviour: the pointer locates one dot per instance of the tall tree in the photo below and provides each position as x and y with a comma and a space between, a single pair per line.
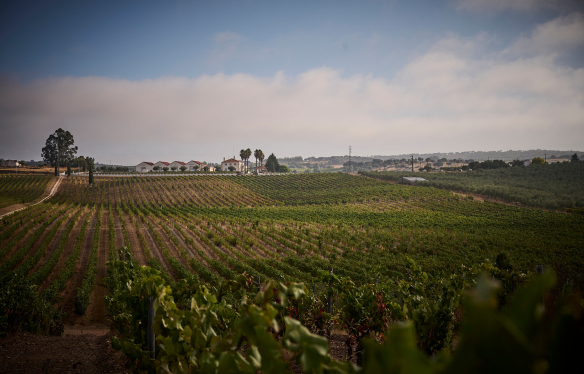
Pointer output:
256, 154
59, 148
90, 166
247, 156
272, 163
261, 157
242, 156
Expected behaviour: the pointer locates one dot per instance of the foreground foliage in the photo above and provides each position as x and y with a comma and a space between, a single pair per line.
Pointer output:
22, 308
211, 335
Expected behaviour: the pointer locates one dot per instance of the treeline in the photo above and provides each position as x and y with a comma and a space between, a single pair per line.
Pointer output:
549, 186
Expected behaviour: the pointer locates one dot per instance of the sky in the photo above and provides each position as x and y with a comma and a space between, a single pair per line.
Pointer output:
199, 80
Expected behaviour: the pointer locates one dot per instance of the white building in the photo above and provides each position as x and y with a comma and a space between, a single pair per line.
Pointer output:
195, 165
144, 167
237, 164
177, 165
9, 163
162, 164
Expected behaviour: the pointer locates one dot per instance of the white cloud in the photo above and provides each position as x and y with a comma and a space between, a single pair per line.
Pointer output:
512, 5
560, 35
449, 99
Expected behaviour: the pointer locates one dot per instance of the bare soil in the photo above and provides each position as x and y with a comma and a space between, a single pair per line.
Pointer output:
84, 353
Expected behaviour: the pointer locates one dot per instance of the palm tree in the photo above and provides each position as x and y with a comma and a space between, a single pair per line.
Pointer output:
256, 154
242, 155
247, 156
261, 157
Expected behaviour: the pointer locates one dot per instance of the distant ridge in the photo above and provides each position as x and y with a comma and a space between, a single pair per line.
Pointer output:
467, 155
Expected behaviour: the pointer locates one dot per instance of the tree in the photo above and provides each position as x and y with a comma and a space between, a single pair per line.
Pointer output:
165, 168
248, 154
81, 162
262, 156
59, 148
196, 167
90, 164
183, 168
256, 154
283, 169
538, 161
173, 168
272, 163
575, 158
68, 169
231, 168
242, 156
156, 168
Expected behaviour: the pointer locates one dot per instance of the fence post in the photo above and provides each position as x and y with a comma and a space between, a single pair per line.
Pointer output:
151, 337
330, 296
259, 284
539, 270
330, 305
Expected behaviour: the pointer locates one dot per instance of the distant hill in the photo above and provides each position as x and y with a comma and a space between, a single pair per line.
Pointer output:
465, 156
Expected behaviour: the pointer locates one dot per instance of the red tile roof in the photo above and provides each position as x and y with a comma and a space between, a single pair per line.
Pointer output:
146, 162
165, 163
232, 160
180, 162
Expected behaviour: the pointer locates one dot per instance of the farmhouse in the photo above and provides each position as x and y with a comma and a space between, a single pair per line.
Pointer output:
9, 163
196, 166
177, 165
162, 164
144, 167
237, 164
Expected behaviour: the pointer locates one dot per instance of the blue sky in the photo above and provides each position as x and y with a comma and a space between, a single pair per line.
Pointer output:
297, 78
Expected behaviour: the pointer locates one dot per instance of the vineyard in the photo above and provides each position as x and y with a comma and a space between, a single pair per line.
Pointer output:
550, 186
397, 253
21, 189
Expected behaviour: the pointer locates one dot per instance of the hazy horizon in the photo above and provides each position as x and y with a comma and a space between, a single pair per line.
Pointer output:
181, 81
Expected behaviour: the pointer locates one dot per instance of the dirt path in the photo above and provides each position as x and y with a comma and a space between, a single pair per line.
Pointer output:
96, 312
50, 190
68, 294
27, 353
137, 250
119, 231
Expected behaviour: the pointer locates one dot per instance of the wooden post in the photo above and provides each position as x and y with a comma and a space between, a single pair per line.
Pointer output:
259, 284
151, 337
539, 270
330, 297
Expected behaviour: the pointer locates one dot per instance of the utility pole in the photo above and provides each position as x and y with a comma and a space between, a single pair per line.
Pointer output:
545, 155
349, 159
412, 163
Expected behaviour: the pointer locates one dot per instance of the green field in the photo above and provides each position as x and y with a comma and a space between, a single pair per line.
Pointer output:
550, 186
195, 231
